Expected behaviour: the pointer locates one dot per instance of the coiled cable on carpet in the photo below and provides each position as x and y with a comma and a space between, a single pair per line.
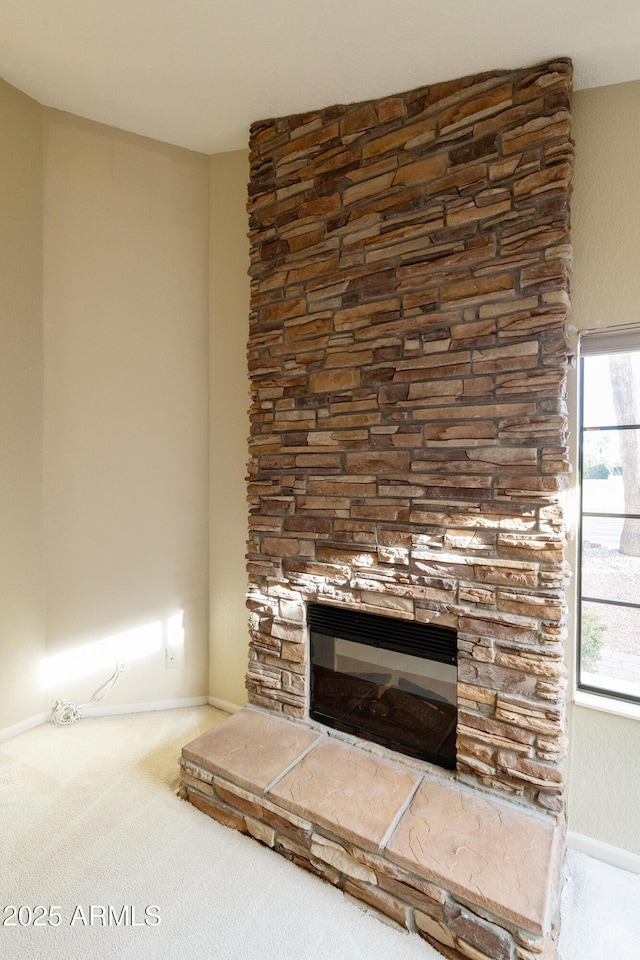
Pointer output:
64, 711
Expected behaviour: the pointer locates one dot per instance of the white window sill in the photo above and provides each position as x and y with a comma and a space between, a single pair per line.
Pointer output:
597, 701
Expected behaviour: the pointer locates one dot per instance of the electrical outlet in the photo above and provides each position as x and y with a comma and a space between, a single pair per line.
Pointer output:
173, 657
122, 665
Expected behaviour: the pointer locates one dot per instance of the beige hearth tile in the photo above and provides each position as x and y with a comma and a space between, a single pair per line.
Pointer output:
351, 793
250, 748
495, 855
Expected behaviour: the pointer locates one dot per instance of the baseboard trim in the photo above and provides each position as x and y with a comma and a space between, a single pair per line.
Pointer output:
114, 710
225, 705
604, 851
144, 707
22, 727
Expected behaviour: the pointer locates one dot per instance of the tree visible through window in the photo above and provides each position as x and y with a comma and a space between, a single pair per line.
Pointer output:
609, 660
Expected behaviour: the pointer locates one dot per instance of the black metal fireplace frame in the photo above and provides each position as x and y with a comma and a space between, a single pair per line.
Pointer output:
417, 639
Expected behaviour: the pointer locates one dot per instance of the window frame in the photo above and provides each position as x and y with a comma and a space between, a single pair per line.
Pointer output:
599, 343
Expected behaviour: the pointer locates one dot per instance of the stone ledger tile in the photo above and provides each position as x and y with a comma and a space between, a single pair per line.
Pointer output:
250, 748
354, 794
484, 850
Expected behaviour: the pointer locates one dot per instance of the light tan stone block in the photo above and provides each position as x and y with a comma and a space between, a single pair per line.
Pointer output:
489, 852
347, 791
434, 928
261, 832
251, 748
336, 856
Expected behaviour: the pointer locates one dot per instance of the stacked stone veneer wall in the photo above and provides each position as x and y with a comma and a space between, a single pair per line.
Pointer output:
407, 355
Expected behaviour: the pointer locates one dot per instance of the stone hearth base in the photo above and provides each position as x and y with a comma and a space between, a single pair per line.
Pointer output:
475, 876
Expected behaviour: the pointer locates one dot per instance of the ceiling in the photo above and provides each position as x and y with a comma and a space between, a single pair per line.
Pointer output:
198, 72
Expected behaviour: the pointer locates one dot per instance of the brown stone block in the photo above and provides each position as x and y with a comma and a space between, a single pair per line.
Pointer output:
409, 249
378, 899
217, 811
495, 732
239, 800
279, 547
551, 178
463, 182
503, 169
476, 108
533, 383
516, 575
530, 488
282, 310
406, 137
356, 357
334, 380
301, 571
540, 234
363, 117
375, 462
497, 626
390, 108
531, 547
322, 266
504, 456
523, 709
394, 512
490, 940
352, 318
295, 653
309, 504
473, 210
470, 333
341, 487
459, 433
496, 678
537, 131
550, 275
412, 895
432, 391
521, 324
466, 291
324, 461
368, 188
327, 553
308, 328
480, 148
420, 171
320, 206
188, 780
309, 144
543, 607
285, 630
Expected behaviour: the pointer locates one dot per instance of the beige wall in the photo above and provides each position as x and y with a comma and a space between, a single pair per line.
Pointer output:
126, 401
21, 523
229, 425
604, 794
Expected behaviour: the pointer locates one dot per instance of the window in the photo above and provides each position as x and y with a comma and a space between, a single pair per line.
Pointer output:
609, 548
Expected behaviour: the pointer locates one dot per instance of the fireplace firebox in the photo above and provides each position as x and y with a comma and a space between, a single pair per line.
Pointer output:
386, 680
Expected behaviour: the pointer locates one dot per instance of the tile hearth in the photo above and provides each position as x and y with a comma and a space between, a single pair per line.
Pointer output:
471, 873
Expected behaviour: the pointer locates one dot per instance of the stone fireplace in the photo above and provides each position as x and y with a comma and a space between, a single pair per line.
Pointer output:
407, 355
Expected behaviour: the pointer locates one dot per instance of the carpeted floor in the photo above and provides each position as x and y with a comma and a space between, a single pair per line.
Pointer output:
90, 819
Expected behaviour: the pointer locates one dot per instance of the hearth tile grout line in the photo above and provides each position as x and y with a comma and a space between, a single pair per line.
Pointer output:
400, 814
294, 763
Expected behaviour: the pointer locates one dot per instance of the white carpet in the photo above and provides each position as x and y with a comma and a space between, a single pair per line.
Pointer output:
90, 817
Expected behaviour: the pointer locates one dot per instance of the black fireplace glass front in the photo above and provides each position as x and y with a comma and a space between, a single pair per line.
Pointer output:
386, 680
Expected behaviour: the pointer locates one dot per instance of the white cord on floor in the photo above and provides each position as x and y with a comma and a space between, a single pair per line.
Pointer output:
64, 712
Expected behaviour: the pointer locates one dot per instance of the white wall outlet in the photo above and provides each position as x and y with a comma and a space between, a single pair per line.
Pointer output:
122, 665
173, 657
